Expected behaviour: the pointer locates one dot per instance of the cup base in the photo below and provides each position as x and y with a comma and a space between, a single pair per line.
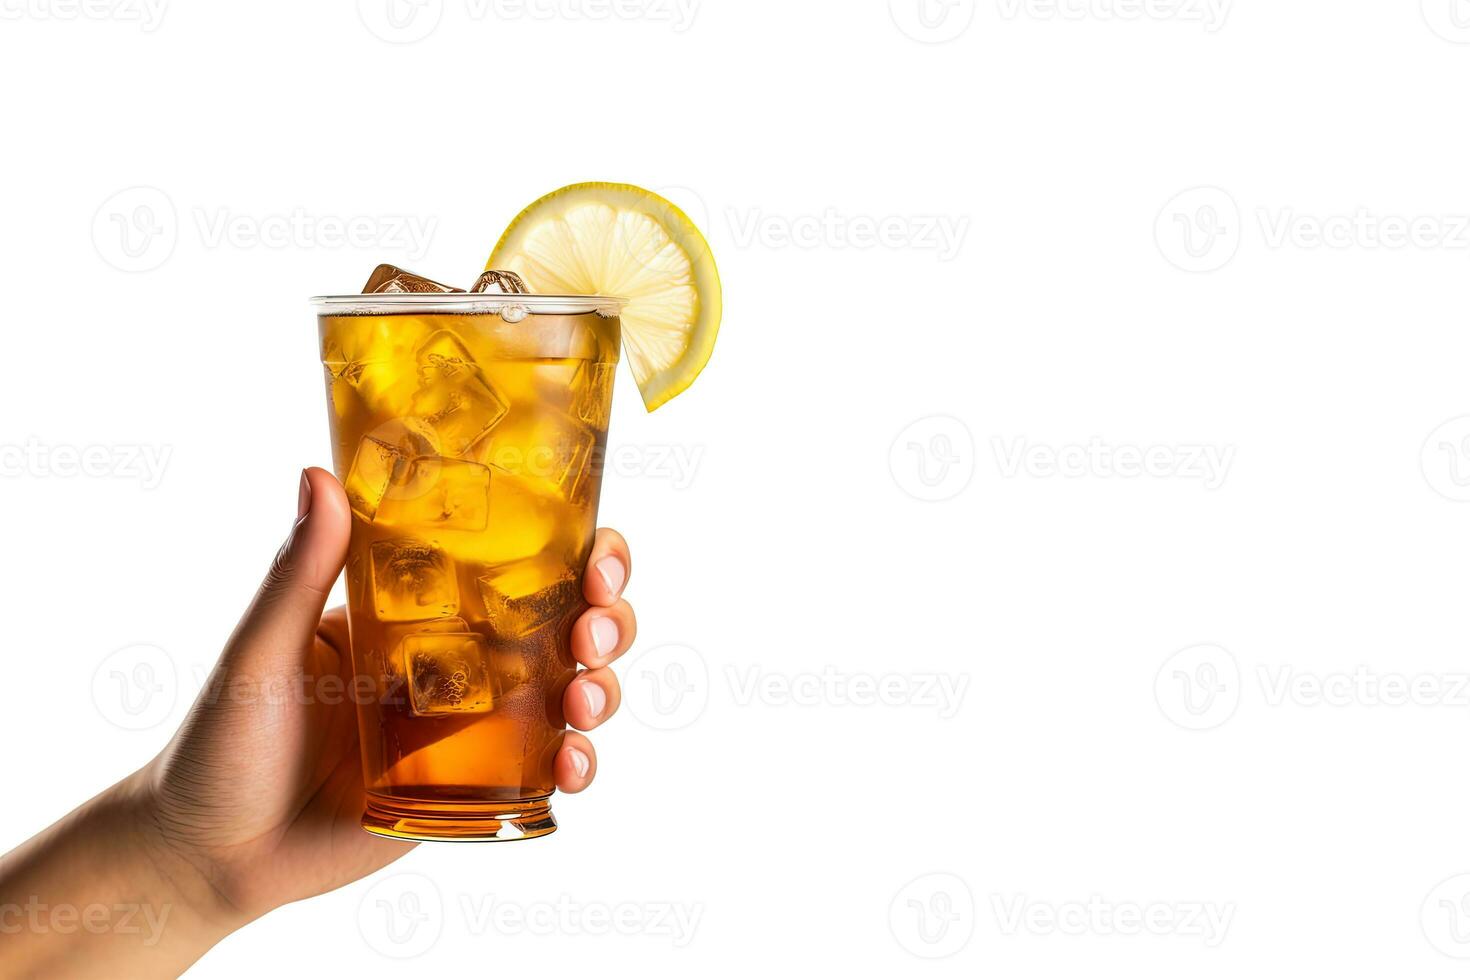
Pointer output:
426, 820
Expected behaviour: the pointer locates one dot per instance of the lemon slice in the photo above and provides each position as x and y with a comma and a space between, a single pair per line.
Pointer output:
620, 240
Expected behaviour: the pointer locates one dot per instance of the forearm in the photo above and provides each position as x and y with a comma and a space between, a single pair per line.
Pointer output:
97, 895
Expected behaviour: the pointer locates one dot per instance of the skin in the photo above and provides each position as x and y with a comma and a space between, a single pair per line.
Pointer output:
255, 801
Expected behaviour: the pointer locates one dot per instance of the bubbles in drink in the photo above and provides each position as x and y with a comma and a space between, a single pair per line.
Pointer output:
448, 673
453, 395
413, 580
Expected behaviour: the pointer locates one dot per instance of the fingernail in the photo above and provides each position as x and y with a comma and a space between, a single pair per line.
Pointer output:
303, 497
596, 698
580, 762
604, 635
612, 572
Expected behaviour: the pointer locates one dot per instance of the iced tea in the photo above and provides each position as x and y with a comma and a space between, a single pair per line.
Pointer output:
468, 431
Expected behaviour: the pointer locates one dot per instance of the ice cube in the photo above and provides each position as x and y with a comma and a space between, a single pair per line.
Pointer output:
391, 279
339, 366
523, 596
593, 393
350, 376
373, 469
452, 494
443, 357
380, 469
364, 358
453, 395
448, 673
499, 281
413, 580
394, 635
526, 522
461, 415
549, 450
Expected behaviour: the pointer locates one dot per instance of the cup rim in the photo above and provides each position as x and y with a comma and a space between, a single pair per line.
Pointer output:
548, 303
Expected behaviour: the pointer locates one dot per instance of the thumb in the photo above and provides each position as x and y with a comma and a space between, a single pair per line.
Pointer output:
283, 619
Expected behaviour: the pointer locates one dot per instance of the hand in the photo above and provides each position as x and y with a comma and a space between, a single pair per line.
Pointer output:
256, 800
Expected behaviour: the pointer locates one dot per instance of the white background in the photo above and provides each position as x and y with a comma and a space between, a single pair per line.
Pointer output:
1131, 194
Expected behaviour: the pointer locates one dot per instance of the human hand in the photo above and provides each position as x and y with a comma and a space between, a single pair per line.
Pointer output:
256, 800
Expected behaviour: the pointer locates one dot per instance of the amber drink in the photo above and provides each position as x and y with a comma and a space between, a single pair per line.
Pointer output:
469, 431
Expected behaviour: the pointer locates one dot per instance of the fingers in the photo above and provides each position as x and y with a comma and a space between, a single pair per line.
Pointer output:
317, 547
591, 698
288, 607
603, 634
600, 635
334, 626
333, 629
608, 568
576, 763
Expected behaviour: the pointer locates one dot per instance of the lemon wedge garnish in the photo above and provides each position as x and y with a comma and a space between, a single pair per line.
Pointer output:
620, 240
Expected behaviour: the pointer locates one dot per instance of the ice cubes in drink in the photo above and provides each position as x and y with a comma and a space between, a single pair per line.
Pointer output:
499, 281
349, 373
550, 451
385, 651
592, 393
393, 636
381, 469
373, 470
521, 597
448, 673
391, 279
412, 580
453, 395
451, 494
444, 357
462, 415
339, 366
522, 520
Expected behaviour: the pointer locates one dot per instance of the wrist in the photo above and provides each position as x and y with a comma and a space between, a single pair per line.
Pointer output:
99, 893
178, 874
